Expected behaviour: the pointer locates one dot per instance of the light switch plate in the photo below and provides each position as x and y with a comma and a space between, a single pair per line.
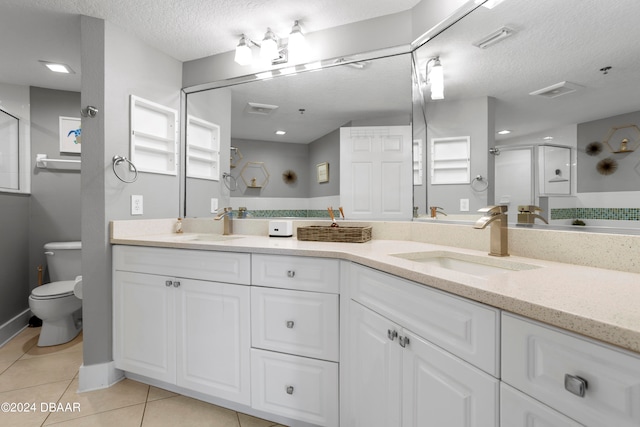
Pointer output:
214, 205
464, 205
136, 205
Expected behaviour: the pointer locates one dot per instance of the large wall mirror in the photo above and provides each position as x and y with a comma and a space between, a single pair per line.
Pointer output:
279, 137
562, 78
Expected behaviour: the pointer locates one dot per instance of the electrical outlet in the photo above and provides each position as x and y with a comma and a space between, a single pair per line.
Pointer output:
464, 205
214, 205
136, 205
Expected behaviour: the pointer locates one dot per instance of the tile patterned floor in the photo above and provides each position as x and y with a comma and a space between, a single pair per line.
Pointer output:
48, 376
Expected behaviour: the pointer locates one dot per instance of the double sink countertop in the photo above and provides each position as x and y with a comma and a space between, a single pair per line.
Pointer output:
595, 302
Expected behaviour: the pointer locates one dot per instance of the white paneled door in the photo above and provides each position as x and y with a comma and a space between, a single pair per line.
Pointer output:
376, 177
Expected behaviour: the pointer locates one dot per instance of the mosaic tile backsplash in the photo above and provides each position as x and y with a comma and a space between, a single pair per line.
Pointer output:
297, 213
614, 214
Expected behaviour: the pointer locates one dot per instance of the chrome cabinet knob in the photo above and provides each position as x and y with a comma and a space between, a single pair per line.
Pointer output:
403, 341
290, 324
290, 389
291, 273
168, 283
392, 334
575, 385
176, 284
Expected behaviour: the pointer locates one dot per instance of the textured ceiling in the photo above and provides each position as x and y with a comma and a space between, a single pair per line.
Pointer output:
184, 29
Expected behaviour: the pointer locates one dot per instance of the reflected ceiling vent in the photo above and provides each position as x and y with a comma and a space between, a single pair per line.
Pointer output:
260, 109
556, 90
358, 65
495, 37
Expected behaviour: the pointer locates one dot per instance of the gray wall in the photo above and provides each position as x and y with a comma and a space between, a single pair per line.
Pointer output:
213, 106
55, 194
116, 65
14, 253
627, 175
277, 158
472, 118
325, 149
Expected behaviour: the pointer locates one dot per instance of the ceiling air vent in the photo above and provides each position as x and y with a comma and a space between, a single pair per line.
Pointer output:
261, 109
556, 90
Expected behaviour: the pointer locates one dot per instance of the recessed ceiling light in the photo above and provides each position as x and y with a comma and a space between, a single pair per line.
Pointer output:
57, 67
548, 138
504, 132
280, 132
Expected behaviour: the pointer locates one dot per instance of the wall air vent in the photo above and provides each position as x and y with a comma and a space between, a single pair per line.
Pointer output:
556, 90
260, 109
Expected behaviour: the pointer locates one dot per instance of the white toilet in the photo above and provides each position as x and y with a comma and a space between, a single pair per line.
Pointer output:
58, 303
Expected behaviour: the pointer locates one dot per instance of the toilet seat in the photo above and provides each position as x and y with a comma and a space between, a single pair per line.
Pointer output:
53, 290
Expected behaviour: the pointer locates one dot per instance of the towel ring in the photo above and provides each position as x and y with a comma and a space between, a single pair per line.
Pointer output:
119, 159
481, 180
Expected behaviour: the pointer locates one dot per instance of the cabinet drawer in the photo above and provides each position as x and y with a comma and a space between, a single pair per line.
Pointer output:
228, 267
294, 272
539, 360
296, 322
519, 410
467, 329
295, 387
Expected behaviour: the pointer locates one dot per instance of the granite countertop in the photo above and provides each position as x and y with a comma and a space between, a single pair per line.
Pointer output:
598, 303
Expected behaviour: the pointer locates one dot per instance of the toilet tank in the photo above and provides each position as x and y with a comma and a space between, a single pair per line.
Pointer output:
63, 260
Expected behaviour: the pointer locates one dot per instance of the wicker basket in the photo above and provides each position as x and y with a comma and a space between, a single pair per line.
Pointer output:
319, 233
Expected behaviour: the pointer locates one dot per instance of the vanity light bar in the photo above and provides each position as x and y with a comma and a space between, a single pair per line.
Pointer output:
495, 37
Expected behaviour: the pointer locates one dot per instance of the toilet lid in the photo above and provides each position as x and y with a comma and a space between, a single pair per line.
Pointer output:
54, 289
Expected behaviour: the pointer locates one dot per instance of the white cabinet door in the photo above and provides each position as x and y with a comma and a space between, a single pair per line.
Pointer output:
213, 339
374, 370
441, 390
376, 173
144, 325
519, 410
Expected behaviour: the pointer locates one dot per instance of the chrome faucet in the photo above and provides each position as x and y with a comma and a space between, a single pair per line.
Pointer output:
227, 223
496, 216
527, 214
435, 210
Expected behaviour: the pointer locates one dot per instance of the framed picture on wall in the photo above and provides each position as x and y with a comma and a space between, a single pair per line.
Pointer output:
323, 172
70, 135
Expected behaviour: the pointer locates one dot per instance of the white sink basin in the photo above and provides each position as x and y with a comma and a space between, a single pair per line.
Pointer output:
464, 263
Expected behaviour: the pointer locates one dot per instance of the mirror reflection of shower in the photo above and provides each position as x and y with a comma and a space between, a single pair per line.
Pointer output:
532, 175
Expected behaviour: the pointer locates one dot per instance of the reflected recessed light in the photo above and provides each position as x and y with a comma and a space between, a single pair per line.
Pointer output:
280, 132
548, 138
504, 132
57, 67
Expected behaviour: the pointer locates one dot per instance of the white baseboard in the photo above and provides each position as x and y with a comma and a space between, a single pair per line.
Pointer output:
14, 326
95, 377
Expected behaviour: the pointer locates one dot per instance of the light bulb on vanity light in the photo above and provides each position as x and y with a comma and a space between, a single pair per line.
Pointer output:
269, 46
243, 52
436, 79
297, 43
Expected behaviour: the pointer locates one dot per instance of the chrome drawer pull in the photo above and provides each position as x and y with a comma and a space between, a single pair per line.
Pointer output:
290, 389
291, 273
403, 341
392, 334
290, 324
176, 284
576, 385
168, 283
